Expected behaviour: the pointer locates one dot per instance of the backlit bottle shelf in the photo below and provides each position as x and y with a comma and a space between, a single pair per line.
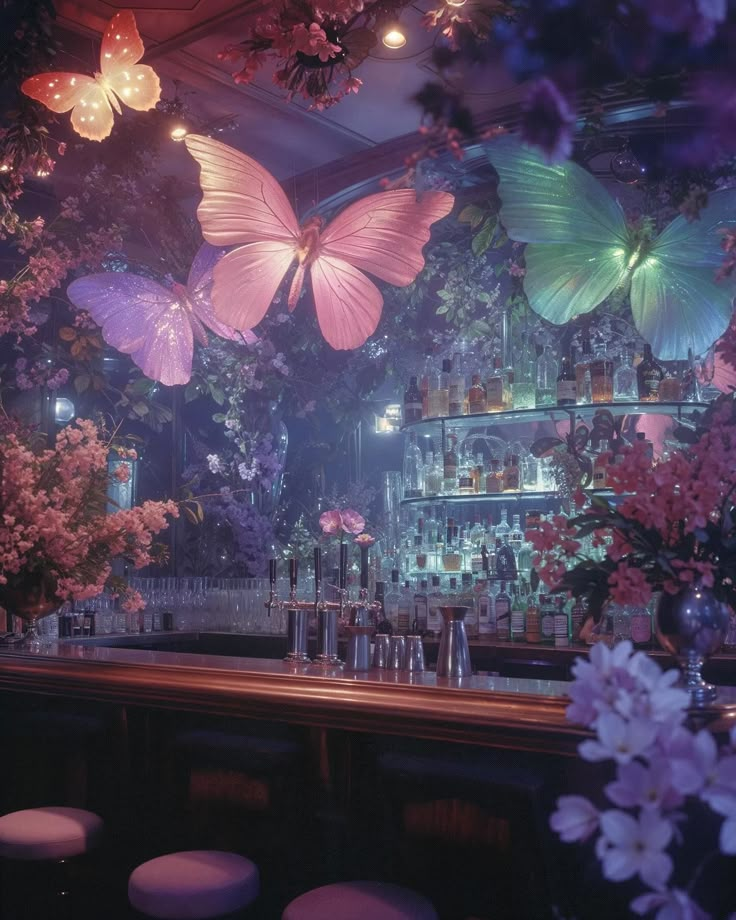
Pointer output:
484, 497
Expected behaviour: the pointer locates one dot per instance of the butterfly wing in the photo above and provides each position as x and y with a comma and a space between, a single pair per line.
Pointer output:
348, 304
676, 302
136, 84
199, 287
246, 281
142, 318
241, 201
579, 242
384, 233
91, 113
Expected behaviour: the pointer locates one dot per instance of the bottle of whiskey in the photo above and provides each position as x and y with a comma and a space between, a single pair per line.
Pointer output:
428, 373
601, 377
439, 392
496, 388
449, 485
412, 403
566, 384
649, 375
583, 379
457, 387
476, 396
503, 613
600, 467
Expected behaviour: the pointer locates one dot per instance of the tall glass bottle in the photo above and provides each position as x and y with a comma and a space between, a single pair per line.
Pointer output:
435, 600
428, 372
533, 626
523, 389
456, 395
412, 403
583, 378
496, 388
406, 608
421, 608
503, 613
413, 469
518, 615
476, 396
625, 382
505, 560
546, 378
649, 374
391, 601
601, 377
449, 486
439, 392
566, 384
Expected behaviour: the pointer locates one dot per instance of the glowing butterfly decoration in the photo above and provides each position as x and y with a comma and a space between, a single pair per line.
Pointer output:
581, 250
244, 206
155, 325
92, 99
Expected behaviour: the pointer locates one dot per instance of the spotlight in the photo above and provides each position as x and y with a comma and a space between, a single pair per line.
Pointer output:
178, 132
394, 37
455, 2
63, 410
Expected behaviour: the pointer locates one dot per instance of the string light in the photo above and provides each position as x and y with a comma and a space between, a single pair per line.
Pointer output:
394, 38
42, 173
178, 132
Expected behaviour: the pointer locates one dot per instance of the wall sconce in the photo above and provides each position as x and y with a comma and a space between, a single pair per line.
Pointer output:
63, 410
390, 421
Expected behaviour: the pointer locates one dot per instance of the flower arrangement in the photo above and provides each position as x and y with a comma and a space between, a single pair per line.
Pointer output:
338, 522
669, 525
664, 773
54, 521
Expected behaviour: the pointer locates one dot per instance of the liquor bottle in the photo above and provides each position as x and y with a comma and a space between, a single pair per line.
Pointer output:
421, 608
465, 484
435, 600
518, 616
484, 609
690, 386
420, 553
600, 466
476, 396
406, 607
562, 624
413, 469
670, 389
505, 560
391, 601
449, 485
641, 437
511, 478
494, 477
503, 613
467, 599
533, 626
428, 373
502, 528
478, 474
625, 382
439, 392
566, 385
452, 557
523, 389
496, 387
649, 374
456, 395
641, 627
583, 384
578, 613
601, 377
546, 378
412, 403
516, 535
547, 618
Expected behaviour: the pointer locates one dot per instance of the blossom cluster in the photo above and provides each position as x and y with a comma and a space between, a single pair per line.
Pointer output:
53, 514
39, 373
638, 717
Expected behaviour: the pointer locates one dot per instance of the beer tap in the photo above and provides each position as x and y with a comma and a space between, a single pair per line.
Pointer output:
273, 598
328, 611
297, 620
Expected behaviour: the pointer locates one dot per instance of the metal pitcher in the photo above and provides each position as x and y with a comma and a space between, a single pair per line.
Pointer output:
453, 658
359, 629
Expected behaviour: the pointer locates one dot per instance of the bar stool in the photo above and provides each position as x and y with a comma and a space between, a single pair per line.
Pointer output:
193, 885
52, 835
360, 901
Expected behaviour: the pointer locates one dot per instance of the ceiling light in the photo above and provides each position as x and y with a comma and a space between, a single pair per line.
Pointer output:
178, 132
455, 2
394, 37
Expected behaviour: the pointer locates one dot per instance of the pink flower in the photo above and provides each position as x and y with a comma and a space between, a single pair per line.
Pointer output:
352, 522
331, 522
364, 539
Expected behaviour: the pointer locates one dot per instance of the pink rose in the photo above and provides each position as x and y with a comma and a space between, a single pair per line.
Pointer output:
364, 539
352, 522
331, 522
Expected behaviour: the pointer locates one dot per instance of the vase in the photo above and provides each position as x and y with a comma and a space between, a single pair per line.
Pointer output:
692, 625
31, 597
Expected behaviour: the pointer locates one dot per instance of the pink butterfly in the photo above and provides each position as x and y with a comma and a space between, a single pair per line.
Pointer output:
155, 325
244, 206
92, 99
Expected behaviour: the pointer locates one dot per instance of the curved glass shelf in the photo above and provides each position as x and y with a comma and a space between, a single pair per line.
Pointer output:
485, 497
556, 414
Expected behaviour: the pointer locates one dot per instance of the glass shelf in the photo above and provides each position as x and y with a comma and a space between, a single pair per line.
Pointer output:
556, 414
485, 497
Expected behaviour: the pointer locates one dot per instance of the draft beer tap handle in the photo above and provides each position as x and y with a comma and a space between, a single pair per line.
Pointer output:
293, 573
317, 566
343, 566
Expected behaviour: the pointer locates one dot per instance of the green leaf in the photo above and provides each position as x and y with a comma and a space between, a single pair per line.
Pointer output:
141, 409
219, 418
443, 308
483, 238
191, 392
82, 382
140, 387
218, 395
473, 215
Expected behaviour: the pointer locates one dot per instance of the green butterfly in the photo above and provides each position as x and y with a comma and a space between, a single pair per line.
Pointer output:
581, 250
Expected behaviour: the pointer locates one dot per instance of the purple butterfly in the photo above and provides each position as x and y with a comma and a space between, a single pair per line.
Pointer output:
156, 325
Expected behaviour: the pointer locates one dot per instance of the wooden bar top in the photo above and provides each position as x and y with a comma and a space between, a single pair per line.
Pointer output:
506, 712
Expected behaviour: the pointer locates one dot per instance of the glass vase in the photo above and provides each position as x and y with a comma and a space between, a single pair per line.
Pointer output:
31, 597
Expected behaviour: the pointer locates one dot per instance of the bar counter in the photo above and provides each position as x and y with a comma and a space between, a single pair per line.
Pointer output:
513, 713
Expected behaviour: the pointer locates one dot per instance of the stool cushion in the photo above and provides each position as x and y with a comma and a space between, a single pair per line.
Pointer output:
360, 901
48, 833
193, 885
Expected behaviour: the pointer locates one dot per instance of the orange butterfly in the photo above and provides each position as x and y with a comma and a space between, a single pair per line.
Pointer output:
92, 99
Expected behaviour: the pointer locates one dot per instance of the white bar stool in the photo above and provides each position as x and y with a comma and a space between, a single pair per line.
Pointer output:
51, 835
193, 885
360, 901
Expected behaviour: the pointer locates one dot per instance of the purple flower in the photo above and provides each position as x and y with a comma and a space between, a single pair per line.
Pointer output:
673, 905
619, 739
547, 121
629, 847
639, 786
576, 818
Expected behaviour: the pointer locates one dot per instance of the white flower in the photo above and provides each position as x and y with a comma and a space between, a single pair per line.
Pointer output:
628, 847
673, 905
619, 740
640, 786
214, 462
232, 423
576, 818
245, 471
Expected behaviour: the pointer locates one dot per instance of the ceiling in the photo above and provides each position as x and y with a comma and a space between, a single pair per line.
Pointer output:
183, 38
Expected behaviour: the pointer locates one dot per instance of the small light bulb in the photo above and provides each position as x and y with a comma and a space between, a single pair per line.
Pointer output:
394, 38
178, 133
455, 2
42, 173
4, 167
